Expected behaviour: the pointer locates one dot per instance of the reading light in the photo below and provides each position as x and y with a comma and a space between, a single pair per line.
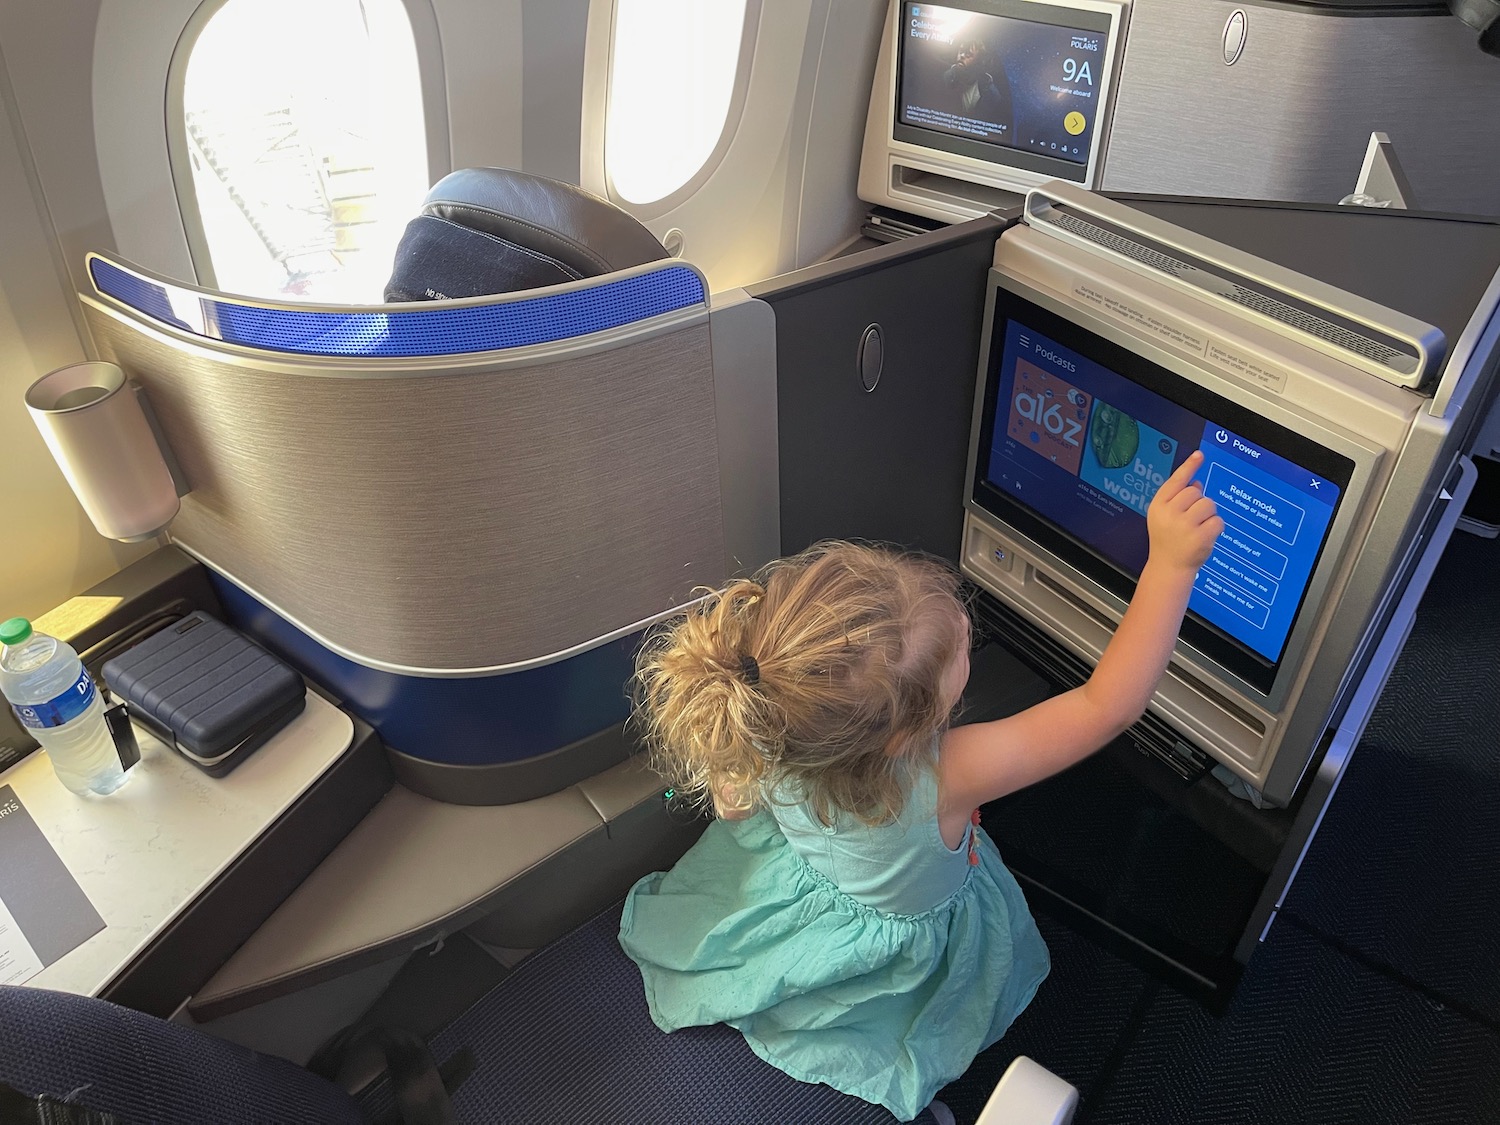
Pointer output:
93, 422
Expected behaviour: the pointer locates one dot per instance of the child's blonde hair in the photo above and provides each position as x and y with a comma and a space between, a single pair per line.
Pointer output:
822, 673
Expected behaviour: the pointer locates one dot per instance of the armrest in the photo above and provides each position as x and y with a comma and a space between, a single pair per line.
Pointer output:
1029, 1094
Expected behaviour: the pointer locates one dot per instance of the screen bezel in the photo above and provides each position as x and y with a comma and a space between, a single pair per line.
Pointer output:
1102, 21
1318, 456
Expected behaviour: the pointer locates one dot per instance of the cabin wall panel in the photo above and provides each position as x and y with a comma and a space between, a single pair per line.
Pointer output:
779, 191
131, 60
483, 47
54, 551
553, 32
830, 210
50, 50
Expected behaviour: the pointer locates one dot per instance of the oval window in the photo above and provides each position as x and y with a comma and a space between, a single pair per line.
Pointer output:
305, 132
673, 67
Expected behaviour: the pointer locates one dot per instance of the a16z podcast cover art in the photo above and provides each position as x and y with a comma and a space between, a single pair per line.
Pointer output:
1048, 416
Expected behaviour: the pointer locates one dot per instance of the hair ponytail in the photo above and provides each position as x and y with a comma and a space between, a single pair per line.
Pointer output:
708, 726
821, 682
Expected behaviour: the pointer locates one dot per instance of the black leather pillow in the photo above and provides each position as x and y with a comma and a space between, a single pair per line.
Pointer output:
491, 230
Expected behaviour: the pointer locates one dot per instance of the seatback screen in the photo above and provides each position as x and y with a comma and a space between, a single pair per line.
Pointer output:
1078, 435
989, 79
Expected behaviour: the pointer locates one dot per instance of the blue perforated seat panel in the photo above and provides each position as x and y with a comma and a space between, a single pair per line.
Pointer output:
422, 329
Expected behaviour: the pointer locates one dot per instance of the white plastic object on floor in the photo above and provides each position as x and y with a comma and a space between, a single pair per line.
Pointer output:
1029, 1094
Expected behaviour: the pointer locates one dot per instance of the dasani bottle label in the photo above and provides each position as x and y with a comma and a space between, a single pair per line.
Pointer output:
63, 709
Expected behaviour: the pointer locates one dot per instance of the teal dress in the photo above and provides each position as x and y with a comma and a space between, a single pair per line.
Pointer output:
876, 960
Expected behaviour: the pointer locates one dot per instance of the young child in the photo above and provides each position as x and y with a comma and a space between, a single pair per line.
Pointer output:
846, 913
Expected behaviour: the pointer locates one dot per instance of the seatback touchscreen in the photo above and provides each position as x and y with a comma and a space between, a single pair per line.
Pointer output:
1078, 433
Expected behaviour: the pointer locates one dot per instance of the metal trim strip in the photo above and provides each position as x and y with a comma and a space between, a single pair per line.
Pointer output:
436, 673
1426, 341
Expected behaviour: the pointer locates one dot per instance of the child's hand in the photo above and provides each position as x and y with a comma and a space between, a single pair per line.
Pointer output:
1183, 523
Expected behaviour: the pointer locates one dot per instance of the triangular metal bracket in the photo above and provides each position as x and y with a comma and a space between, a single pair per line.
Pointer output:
1381, 177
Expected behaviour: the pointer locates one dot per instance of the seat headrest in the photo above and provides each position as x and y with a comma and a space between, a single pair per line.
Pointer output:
490, 230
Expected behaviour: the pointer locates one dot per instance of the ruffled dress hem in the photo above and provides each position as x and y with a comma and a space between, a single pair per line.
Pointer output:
882, 1006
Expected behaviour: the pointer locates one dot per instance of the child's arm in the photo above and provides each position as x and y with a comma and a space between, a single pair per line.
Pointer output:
985, 761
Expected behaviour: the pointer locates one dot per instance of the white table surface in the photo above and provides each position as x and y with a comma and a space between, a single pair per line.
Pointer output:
146, 851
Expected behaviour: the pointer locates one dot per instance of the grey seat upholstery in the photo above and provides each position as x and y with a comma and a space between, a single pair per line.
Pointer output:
484, 231
566, 1039
140, 1068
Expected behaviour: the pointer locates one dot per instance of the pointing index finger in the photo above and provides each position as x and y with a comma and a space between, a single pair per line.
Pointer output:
1182, 476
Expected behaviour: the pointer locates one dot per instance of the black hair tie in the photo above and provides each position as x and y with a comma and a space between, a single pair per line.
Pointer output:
749, 669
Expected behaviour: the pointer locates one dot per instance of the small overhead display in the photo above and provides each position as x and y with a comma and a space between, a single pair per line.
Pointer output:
1000, 80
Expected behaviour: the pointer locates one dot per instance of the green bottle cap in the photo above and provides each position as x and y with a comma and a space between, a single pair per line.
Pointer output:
14, 631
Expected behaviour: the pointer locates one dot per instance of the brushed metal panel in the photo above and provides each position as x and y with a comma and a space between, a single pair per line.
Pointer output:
1290, 120
473, 519
744, 335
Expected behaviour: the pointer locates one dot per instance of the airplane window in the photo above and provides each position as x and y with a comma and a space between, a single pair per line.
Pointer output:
672, 74
308, 149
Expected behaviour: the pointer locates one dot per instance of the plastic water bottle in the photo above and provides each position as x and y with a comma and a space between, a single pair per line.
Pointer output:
59, 705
